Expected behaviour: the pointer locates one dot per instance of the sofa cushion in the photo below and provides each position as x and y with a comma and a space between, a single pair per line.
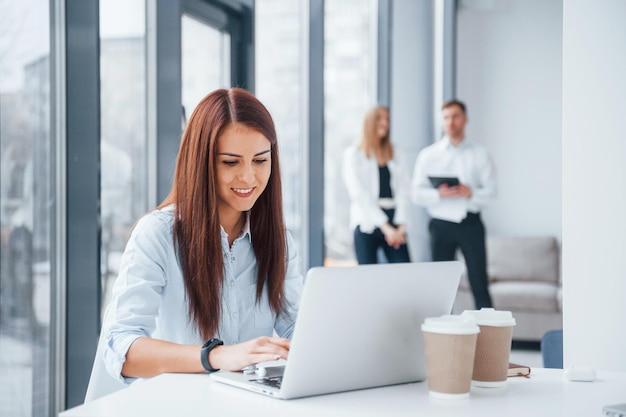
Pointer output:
523, 258
525, 296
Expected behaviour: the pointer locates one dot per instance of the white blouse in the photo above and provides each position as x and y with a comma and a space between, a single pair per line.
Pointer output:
361, 178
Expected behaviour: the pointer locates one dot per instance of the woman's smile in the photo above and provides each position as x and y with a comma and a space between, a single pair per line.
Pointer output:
243, 192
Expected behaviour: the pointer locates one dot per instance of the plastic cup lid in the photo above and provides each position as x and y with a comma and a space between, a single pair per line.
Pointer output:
491, 317
450, 324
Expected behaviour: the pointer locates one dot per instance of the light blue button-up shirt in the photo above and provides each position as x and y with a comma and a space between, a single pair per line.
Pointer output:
149, 299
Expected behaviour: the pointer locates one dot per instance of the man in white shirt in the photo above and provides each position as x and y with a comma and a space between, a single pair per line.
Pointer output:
455, 209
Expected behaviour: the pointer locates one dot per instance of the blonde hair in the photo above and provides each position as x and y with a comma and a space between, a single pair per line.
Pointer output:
372, 145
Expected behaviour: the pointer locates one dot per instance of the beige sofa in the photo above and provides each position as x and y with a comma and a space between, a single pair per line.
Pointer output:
524, 278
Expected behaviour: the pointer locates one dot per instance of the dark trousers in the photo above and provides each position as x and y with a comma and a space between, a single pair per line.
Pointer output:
469, 235
366, 246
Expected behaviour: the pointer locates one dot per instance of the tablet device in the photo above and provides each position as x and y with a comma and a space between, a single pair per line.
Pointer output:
437, 181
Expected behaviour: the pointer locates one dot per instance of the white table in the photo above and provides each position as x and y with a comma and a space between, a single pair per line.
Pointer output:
545, 393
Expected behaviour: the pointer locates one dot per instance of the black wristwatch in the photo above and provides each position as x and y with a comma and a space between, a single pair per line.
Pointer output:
204, 353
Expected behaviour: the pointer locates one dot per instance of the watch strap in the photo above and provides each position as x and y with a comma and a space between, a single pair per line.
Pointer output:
204, 353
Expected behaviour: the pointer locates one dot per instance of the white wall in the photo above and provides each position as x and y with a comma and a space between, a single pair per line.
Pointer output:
509, 75
594, 183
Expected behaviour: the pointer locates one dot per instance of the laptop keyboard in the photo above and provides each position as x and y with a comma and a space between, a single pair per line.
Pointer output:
271, 381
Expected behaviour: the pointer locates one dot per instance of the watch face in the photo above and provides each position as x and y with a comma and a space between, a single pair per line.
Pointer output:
213, 342
204, 353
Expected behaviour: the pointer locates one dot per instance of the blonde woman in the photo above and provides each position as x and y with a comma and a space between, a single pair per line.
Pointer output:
377, 187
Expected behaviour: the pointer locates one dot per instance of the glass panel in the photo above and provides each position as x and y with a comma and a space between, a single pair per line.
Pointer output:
123, 146
205, 61
27, 201
350, 39
280, 59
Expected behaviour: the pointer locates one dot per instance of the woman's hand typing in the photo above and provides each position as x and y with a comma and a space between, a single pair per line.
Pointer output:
261, 349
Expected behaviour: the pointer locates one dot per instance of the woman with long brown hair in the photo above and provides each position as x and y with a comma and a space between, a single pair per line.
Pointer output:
210, 274
378, 192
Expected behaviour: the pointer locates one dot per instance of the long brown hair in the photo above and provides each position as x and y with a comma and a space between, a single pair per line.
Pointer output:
197, 226
381, 148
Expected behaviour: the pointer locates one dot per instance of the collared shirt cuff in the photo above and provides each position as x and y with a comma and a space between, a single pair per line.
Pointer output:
115, 354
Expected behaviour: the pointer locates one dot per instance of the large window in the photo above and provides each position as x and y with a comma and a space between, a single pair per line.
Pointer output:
212, 55
280, 85
123, 144
27, 203
205, 61
350, 71
350, 82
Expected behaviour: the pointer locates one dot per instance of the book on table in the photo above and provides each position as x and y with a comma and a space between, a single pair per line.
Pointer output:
518, 370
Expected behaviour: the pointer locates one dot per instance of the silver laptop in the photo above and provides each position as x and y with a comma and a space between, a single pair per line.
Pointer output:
358, 327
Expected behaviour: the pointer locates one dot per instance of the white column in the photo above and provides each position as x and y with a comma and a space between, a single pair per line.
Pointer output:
412, 99
594, 183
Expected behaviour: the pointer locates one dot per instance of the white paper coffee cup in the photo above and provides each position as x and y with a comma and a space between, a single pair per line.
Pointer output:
450, 346
493, 347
